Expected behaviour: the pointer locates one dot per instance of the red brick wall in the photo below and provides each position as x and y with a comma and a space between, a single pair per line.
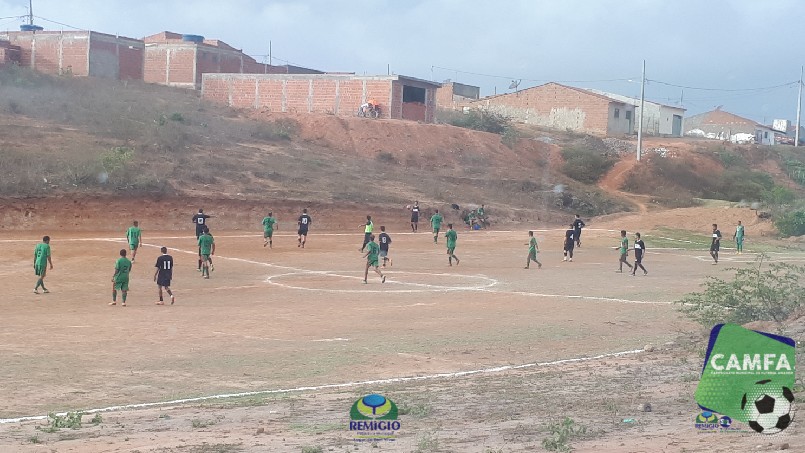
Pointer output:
181, 70
155, 66
9, 54
52, 52
553, 105
335, 95
131, 63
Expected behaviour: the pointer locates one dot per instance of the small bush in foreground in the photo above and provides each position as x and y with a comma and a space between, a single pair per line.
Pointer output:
753, 294
561, 434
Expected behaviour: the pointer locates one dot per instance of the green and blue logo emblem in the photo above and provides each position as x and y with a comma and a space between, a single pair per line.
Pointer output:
748, 376
374, 417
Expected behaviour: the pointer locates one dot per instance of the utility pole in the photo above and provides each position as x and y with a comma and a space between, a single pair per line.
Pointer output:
799, 107
30, 12
640, 120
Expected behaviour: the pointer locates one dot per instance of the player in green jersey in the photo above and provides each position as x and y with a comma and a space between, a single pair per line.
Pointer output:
533, 248
739, 238
451, 237
623, 249
436, 222
269, 225
134, 236
206, 247
120, 279
41, 261
372, 254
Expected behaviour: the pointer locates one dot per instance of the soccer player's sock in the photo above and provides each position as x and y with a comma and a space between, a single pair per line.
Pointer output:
125, 293
199, 264
38, 284
114, 296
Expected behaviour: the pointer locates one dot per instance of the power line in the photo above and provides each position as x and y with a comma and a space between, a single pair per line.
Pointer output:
59, 23
630, 79
723, 89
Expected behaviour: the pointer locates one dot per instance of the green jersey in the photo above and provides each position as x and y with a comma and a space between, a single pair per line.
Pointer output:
268, 223
122, 269
133, 234
739, 232
373, 250
480, 212
41, 254
532, 245
436, 220
451, 236
205, 242
624, 245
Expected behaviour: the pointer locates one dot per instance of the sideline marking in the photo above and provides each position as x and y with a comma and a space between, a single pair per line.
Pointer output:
428, 377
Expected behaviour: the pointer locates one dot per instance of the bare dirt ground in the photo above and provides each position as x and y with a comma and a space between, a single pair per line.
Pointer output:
300, 326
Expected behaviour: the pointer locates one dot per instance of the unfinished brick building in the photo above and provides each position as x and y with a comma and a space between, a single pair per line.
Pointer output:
9, 54
400, 97
181, 60
81, 53
563, 107
454, 95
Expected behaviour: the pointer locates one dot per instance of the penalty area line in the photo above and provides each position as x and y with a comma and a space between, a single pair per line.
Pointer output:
451, 375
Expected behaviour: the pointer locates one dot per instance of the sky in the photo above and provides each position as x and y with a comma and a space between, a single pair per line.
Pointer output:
727, 53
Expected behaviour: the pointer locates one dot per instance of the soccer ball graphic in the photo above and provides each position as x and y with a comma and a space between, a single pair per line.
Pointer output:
768, 407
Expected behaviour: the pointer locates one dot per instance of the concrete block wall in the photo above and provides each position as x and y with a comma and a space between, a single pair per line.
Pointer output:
554, 105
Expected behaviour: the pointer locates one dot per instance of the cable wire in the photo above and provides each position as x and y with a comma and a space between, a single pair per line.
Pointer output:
723, 89
629, 79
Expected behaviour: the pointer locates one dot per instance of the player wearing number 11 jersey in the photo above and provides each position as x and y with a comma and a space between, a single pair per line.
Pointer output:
164, 274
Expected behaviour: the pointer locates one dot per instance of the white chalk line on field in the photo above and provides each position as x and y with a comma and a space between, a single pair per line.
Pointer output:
284, 340
450, 375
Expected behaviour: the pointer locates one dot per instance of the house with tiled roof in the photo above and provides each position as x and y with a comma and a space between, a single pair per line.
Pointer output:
720, 125
563, 107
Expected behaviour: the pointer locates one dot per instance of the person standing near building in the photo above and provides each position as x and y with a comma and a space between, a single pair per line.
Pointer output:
120, 279
739, 238
269, 224
578, 224
436, 223
533, 248
368, 228
639, 252
164, 274
41, 261
415, 217
134, 236
623, 249
385, 242
452, 236
303, 222
715, 245
569, 244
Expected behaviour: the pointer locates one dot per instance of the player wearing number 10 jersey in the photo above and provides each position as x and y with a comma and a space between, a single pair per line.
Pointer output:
164, 274
304, 223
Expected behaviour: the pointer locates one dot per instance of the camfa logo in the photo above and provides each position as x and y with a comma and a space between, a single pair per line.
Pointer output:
748, 377
374, 414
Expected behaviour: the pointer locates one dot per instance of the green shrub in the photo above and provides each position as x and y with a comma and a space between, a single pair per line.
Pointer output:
279, 129
561, 434
753, 294
584, 165
778, 196
791, 223
480, 120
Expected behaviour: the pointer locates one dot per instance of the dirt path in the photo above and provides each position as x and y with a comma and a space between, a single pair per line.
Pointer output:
616, 176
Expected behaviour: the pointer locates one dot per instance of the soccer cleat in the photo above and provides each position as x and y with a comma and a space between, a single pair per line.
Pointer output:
365, 282
456, 261
45, 290
160, 303
173, 300
571, 260
539, 265
564, 259
265, 244
123, 304
207, 277
525, 267
112, 303
212, 267
36, 292
645, 272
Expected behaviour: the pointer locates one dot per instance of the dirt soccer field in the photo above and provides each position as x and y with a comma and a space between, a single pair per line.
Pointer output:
480, 357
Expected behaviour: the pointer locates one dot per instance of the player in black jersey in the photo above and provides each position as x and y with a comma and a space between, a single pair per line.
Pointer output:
569, 243
578, 224
164, 274
415, 217
304, 222
639, 251
716, 244
385, 240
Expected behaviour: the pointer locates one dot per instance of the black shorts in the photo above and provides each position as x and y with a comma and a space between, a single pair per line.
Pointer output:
569, 246
302, 232
638, 257
414, 218
198, 232
163, 281
714, 248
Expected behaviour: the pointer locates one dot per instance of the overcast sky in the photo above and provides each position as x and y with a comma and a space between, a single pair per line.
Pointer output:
725, 44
